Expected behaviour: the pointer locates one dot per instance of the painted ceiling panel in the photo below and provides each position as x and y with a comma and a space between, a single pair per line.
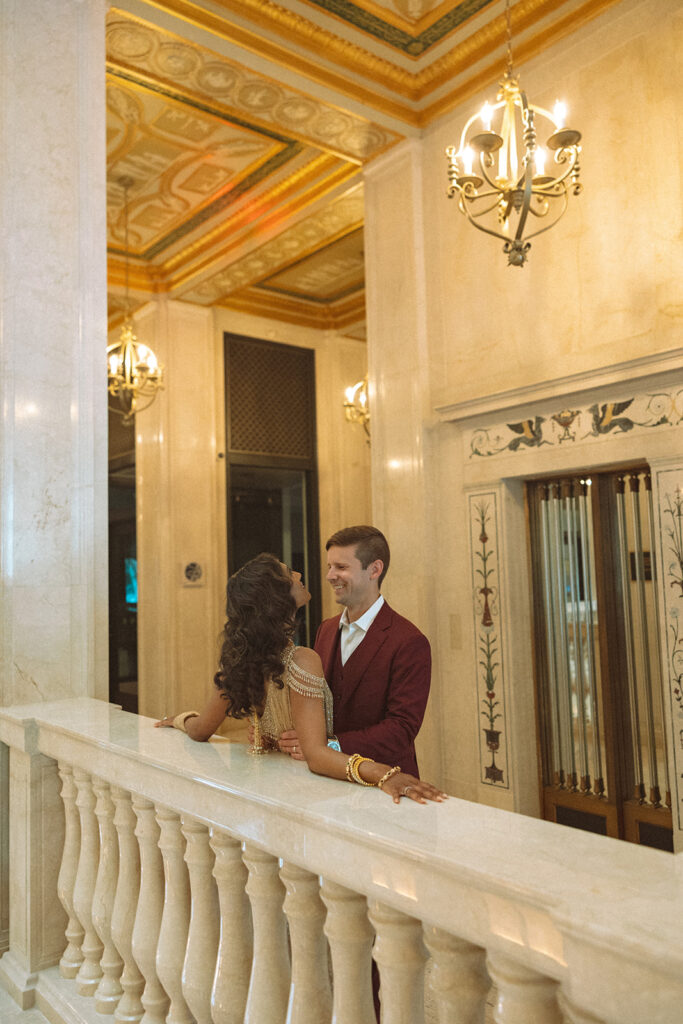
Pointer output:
244, 125
180, 161
330, 274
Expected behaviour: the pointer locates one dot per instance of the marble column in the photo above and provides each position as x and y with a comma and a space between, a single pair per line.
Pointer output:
53, 296
180, 497
403, 502
53, 290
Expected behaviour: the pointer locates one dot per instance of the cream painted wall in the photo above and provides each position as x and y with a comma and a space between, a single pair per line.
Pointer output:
181, 508
449, 323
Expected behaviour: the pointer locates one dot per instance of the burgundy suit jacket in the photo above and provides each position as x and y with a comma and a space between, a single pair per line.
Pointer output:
379, 710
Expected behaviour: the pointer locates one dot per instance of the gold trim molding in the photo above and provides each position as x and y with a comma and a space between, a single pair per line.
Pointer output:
335, 316
357, 61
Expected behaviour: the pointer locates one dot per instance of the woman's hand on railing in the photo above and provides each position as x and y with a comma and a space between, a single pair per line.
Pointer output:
403, 784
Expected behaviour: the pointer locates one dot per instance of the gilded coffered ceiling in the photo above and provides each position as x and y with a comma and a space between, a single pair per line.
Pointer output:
244, 126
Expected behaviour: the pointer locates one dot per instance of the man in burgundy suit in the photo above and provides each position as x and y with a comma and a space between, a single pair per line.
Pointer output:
376, 662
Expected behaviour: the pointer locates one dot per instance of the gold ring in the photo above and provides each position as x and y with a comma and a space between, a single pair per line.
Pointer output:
406, 790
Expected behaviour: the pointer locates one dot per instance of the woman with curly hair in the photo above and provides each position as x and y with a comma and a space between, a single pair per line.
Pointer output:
263, 676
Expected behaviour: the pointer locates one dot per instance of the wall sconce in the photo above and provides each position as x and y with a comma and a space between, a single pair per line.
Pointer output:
356, 406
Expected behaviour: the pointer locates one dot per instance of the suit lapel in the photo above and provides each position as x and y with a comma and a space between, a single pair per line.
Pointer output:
361, 659
328, 645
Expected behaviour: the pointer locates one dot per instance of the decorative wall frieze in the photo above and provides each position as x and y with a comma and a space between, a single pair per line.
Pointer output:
486, 560
613, 413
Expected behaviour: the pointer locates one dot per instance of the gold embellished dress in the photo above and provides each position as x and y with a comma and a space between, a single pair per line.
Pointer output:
277, 713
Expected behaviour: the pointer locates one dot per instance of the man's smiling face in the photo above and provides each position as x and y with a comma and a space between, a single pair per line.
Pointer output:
354, 587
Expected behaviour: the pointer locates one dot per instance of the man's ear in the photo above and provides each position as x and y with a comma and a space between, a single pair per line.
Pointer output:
376, 569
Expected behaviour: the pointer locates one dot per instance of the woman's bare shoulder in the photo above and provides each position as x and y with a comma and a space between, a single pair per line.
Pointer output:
305, 658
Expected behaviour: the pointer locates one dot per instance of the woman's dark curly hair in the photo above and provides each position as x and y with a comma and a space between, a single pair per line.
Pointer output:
260, 623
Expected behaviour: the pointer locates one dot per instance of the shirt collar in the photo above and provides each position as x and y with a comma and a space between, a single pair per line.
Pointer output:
366, 619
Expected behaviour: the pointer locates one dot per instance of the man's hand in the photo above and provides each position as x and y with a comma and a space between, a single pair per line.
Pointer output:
288, 743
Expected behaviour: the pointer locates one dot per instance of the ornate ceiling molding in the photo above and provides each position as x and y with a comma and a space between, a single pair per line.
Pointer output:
358, 63
336, 316
325, 226
164, 58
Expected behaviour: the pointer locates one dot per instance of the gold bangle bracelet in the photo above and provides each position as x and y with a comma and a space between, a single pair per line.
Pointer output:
352, 766
387, 775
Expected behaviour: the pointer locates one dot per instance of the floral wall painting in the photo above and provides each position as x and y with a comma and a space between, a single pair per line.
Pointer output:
485, 566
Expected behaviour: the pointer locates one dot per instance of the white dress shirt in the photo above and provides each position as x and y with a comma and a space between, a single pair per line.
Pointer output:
353, 633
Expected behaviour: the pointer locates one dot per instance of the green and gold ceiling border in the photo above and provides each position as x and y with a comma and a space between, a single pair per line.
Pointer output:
411, 43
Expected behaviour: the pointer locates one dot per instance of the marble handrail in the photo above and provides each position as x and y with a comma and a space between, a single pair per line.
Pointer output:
572, 926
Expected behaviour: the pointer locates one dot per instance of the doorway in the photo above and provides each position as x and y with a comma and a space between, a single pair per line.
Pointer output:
272, 461
603, 757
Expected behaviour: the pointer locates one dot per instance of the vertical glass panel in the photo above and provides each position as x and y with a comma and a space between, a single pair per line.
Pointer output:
647, 683
268, 513
575, 716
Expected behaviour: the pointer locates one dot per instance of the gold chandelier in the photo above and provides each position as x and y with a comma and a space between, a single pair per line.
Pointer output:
501, 175
134, 374
356, 406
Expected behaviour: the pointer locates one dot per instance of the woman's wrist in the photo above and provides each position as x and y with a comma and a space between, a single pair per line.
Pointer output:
180, 720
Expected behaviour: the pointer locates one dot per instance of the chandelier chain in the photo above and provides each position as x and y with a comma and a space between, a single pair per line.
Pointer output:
508, 22
125, 184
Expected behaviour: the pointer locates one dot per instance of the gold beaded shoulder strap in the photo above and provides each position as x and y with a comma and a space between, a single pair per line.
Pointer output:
303, 682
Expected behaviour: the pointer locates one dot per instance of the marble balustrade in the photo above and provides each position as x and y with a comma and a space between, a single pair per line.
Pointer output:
159, 880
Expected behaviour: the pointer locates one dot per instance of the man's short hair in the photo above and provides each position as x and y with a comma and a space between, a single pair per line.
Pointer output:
369, 542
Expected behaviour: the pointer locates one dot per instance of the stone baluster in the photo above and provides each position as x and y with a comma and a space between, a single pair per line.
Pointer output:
233, 964
109, 989
72, 958
149, 910
459, 981
175, 919
270, 970
400, 955
90, 971
129, 1009
524, 996
202, 940
572, 1014
350, 936
310, 996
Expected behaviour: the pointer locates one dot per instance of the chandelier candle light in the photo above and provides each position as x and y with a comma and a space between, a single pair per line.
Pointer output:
500, 173
134, 374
